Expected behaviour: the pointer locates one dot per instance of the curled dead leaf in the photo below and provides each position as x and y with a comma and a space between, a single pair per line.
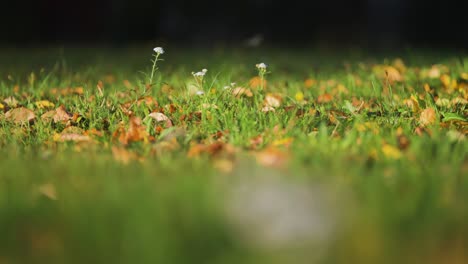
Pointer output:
240, 91
427, 117
136, 132
58, 115
272, 100
20, 115
160, 117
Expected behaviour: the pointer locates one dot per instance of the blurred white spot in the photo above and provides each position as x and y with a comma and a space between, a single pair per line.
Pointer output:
280, 215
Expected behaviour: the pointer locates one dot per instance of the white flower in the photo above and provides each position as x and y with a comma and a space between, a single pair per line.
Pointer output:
261, 66
200, 73
159, 50
200, 93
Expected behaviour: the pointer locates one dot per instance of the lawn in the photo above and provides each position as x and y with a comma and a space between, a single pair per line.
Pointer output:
313, 157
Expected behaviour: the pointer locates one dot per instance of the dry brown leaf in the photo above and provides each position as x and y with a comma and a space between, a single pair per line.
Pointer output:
20, 115
160, 117
48, 190
272, 100
392, 74
58, 115
11, 102
427, 117
136, 132
240, 91
72, 133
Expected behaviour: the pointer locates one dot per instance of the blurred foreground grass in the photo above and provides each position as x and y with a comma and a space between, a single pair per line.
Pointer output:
337, 160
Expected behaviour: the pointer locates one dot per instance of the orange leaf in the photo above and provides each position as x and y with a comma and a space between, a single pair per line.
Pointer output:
427, 117
256, 82
324, 98
271, 157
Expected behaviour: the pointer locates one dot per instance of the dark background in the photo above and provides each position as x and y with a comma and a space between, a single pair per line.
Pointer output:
364, 23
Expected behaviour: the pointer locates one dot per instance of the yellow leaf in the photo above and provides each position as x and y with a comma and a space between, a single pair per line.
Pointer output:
44, 104
427, 117
446, 80
2, 106
299, 96
392, 74
282, 142
391, 152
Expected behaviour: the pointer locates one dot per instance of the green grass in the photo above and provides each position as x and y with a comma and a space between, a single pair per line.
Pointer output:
359, 178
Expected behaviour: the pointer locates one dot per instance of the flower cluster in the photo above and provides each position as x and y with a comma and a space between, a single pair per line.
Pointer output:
159, 50
261, 66
200, 73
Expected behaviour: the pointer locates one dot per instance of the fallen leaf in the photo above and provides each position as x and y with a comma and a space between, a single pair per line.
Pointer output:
160, 117
392, 74
20, 115
285, 142
239, 91
72, 133
391, 152
268, 108
256, 82
44, 104
48, 190
309, 83
427, 117
299, 96
58, 115
324, 98
11, 102
136, 132
272, 100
